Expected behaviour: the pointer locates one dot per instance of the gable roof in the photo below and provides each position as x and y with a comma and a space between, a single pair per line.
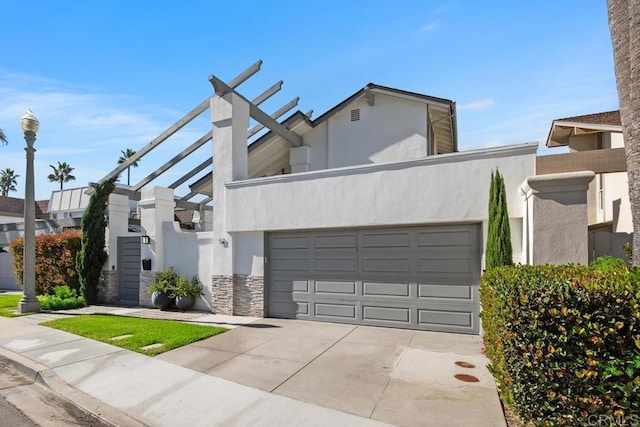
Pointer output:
606, 118
12, 206
563, 129
269, 154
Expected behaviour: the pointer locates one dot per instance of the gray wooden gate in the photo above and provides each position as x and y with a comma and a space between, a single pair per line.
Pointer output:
129, 269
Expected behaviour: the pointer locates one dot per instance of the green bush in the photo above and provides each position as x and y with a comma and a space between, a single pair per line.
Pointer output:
609, 263
564, 341
185, 287
55, 260
92, 256
165, 281
63, 298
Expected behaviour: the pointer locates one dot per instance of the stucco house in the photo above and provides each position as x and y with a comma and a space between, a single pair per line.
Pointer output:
367, 214
11, 213
595, 142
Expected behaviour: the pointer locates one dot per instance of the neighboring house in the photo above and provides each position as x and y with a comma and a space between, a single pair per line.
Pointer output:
595, 142
366, 215
11, 212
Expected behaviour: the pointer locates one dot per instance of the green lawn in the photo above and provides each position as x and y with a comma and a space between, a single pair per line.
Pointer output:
9, 305
144, 332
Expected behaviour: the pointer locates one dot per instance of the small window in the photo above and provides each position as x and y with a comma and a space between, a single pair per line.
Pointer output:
355, 115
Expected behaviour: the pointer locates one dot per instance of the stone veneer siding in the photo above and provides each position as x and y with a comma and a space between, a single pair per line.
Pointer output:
108, 287
222, 294
248, 295
146, 279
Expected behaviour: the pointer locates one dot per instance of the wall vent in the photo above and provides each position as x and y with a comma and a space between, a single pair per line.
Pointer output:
355, 115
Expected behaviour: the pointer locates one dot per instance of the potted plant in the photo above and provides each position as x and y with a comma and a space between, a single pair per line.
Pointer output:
161, 288
185, 292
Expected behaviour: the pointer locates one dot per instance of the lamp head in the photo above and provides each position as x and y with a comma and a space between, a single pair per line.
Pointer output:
29, 122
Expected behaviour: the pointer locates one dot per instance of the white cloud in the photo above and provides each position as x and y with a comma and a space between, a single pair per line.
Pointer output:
85, 127
427, 28
480, 105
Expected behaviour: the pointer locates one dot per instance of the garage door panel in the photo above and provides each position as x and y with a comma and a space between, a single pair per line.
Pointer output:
335, 241
335, 264
445, 317
423, 278
385, 289
386, 314
332, 310
385, 265
335, 287
449, 265
385, 239
459, 291
289, 242
290, 264
452, 240
289, 286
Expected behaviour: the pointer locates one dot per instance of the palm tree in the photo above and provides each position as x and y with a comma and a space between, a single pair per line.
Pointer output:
626, 59
3, 138
125, 156
7, 181
61, 174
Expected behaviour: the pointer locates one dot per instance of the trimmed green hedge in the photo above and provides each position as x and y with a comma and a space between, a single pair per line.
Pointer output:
564, 341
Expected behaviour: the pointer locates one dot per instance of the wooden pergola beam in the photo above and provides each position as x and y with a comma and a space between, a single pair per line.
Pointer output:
180, 156
286, 107
192, 173
221, 88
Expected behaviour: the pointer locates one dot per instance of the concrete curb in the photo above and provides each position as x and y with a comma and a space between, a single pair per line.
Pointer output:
48, 378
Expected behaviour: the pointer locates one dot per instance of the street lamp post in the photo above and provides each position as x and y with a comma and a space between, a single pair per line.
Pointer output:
29, 302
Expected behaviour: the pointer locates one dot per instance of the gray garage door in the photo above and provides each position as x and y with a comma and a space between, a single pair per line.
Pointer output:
129, 269
422, 278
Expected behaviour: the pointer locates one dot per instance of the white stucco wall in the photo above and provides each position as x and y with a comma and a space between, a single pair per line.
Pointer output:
617, 207
393, 129
438, 189
8, 279
190, 254
5, 219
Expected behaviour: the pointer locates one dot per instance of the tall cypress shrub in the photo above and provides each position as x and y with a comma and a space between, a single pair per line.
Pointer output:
499, 251
92, 256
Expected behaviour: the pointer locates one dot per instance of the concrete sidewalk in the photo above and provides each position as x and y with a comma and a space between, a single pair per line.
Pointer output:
130, 389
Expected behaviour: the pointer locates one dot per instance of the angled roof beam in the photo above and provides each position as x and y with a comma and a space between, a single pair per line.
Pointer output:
161, 138
189, 196
286, 107
268, 93
222, 88
187, 205
192, 173
180, 156
200, 142
246, 74
204, 202
132, 194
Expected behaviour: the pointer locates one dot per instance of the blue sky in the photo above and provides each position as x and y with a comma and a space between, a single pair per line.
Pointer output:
102, 76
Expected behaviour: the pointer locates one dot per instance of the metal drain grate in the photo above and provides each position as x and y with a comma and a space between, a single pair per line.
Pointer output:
466, 378
465, 364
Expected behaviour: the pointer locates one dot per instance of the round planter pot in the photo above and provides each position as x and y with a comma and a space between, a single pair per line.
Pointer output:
185, 302
161, 300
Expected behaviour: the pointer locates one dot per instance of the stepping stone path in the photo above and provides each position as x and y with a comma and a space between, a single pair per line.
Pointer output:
151, 346
121, 337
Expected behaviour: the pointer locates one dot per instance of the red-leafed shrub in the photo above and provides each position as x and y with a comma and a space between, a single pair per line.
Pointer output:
55, 260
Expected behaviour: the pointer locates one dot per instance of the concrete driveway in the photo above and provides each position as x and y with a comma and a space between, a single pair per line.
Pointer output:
397, 376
